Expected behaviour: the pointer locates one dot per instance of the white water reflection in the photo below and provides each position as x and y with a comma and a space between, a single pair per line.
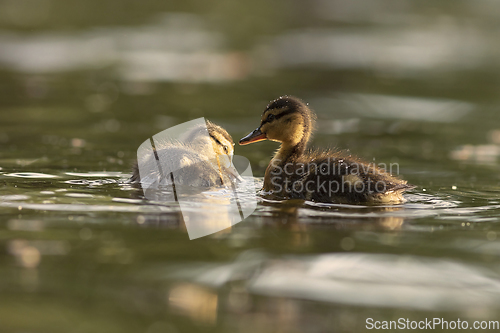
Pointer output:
30, 175
407, 52
95, 174
487, 153
175, 47
404, 107
381, 280
356, 108
181, 47
361, 279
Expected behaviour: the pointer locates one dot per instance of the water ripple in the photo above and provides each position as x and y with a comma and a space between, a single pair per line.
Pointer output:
30, 175
95, 174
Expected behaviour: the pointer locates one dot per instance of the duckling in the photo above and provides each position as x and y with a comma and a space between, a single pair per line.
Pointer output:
201, 159
329, 176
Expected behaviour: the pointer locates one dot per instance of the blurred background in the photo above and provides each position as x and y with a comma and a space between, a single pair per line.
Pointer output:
84, 83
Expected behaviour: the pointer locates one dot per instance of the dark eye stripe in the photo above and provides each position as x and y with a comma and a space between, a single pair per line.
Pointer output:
216, 140
278, 116
226, 149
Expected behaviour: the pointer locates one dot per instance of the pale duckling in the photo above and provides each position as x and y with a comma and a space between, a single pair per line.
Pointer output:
202, 158
321, 176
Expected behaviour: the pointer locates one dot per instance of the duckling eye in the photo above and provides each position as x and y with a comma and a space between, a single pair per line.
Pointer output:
225, 149
270, 117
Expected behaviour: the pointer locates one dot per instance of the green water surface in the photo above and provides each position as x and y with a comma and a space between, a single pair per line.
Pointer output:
84, 83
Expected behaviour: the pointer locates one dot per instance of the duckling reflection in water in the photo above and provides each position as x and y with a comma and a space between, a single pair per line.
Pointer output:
201, 158
321, 176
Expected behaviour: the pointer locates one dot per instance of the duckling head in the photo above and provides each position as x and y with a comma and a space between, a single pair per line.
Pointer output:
216, 147
223, 147
218, 141
287, 120
222, 141
222, 144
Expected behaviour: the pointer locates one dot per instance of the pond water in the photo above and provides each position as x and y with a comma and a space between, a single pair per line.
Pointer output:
409, 84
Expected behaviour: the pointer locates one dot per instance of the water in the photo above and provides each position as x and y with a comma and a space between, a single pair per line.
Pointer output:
412, 84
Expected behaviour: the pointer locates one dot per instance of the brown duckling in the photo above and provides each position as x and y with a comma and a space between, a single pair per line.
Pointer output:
322, 176
202, 158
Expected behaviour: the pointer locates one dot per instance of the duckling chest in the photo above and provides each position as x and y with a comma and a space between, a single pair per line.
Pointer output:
285, 179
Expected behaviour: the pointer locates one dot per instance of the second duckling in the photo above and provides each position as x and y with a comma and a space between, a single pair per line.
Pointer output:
322, 176
202, 158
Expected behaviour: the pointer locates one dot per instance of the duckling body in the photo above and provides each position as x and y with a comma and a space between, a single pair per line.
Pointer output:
322, 176
202, 158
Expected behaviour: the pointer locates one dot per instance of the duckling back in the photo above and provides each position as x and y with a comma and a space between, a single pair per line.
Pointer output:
333, 177
181, 164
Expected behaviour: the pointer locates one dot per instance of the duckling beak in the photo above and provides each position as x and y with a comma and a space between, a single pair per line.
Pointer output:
233, 172
227, 163
255, 136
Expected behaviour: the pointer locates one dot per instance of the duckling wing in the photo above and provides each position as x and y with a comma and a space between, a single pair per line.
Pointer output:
341, 178
190, 167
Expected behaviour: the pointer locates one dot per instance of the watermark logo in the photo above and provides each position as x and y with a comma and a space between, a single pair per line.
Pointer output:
193, 164
331, 177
